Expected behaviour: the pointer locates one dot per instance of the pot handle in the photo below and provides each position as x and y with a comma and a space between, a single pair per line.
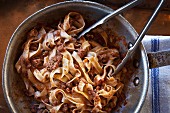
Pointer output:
158, 59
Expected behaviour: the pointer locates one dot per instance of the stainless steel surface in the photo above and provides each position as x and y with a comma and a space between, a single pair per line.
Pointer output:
111, 15
12, 83
158, 59
131, 51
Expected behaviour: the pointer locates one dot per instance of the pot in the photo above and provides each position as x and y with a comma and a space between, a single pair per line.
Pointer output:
13, 85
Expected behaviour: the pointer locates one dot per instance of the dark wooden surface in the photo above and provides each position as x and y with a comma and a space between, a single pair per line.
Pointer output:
12, 13
145, 4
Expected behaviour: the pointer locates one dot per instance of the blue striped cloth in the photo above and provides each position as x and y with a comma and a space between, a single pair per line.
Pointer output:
158, 96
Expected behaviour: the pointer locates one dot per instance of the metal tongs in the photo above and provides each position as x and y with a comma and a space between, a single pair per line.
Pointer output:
132, 49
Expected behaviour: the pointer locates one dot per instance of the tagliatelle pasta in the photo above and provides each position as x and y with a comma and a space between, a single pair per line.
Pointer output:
64, 74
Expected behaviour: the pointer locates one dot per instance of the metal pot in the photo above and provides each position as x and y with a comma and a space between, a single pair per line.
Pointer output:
13, 85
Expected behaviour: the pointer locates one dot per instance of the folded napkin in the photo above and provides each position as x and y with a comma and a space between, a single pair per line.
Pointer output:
158, 96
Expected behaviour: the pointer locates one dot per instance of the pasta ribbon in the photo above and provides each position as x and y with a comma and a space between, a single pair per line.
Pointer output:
69, 75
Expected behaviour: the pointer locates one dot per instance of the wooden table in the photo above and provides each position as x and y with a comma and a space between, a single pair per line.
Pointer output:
12, 13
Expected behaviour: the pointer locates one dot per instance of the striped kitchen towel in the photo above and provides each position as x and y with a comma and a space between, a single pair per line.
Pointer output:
158, 96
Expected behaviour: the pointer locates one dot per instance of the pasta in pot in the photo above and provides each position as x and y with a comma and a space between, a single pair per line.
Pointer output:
68, 75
